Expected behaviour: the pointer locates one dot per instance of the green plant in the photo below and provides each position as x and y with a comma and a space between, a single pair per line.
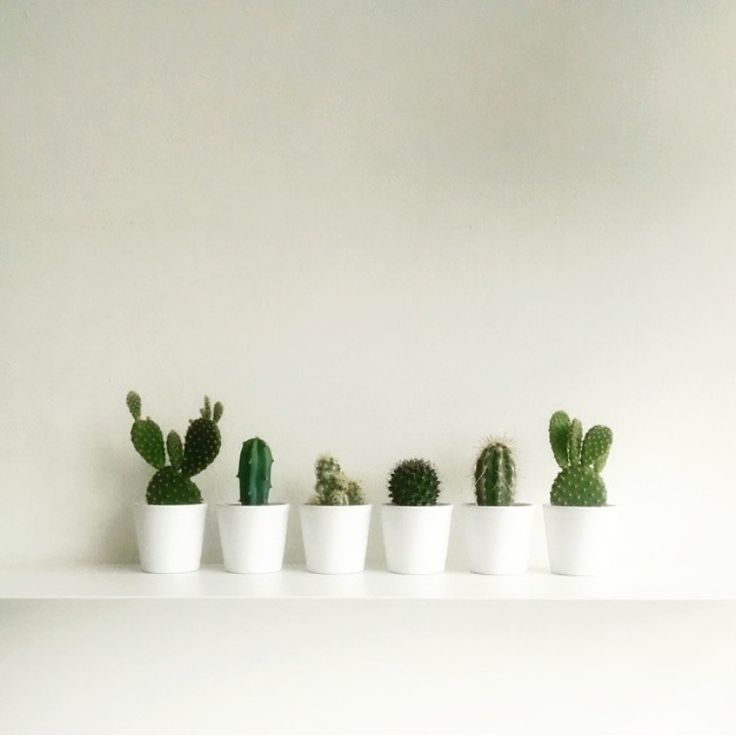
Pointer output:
333, 487
172, 484
254, 472
414, 483
581, 459
495, 475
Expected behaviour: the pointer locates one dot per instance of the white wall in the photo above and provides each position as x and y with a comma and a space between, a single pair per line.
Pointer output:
308, 667
382, 229
376, 228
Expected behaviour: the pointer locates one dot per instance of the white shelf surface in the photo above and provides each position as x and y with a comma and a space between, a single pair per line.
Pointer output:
111, 582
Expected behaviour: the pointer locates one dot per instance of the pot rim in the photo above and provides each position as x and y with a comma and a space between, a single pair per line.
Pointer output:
428, 506
587, 508
238, 505
169, 505
335, 506
522, 505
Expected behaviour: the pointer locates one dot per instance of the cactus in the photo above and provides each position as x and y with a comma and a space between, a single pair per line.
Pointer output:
495, 475
333, 487
172, 484
254, 472
581, 459
414, 483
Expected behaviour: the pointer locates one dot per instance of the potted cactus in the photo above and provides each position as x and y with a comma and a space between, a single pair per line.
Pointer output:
579, 522
170, 525
497, 530
253, 531
335, 522
416, 529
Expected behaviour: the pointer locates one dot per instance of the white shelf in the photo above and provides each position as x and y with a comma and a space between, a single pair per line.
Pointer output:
110, 582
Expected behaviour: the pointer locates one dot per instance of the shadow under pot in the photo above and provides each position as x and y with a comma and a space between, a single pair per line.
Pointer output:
335, 537
498, 538
415, 538
580, 539
253, 537
170, 537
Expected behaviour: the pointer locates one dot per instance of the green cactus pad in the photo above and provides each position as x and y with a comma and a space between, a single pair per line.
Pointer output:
254, 471
217, 412
414, 483
175, 449
596, 446
133, 400
169, 488
148, 440
578, 486
575, 442
201, 446
559, 429
495, 476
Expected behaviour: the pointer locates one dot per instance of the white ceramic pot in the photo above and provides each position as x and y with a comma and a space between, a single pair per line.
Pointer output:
170, 537
335, 537
498, 538
415, 538
580, 539
253, 537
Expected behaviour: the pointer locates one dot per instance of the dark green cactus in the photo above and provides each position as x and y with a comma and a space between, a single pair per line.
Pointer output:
495, 475
414, 483
254, 471
333, 487
580, 459
202, 441
172, 484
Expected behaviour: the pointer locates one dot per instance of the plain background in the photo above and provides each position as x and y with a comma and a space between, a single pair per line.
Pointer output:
380, 229
377, 229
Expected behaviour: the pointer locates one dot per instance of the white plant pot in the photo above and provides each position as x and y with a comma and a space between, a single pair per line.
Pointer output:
335, 537
580, 539
498, 538
253, 537
415, 538
170, 537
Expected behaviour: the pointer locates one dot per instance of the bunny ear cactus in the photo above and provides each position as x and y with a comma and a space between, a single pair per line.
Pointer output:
414, 483
581, 459
495, 475
254, 471
202, 441
333, 487
172, 484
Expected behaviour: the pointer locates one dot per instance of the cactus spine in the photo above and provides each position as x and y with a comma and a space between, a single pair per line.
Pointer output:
495, 475
581, 459
172, 484
414, 483
333, 487
254, 472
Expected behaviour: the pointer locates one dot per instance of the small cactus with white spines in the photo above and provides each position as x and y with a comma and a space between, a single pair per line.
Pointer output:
172, 484
581, 459
333, 487
495, 475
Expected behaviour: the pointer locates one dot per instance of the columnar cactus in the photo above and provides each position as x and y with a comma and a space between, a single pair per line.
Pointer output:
254, 472
495, 475
172, 484
333, 487
580, 459
414, 483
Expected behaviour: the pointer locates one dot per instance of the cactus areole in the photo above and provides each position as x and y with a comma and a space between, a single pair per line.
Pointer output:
172, 484
581, 459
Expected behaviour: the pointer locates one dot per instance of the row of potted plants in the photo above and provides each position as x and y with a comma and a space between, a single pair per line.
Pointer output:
335, 521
